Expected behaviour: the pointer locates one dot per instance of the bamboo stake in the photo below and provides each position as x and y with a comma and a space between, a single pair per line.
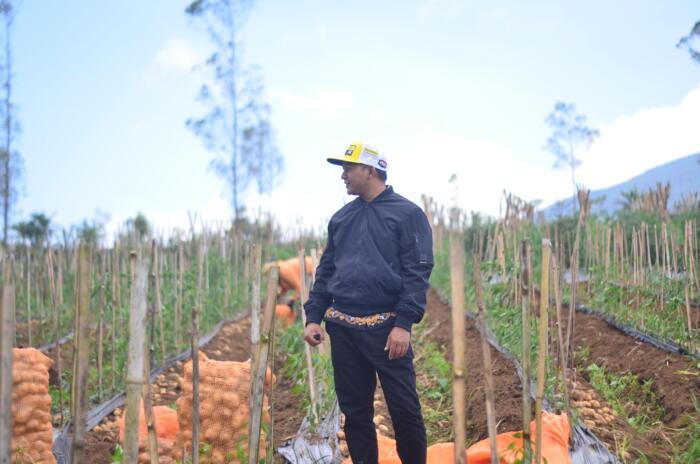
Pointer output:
227, 277
146, 392
313, 387
157, 301
688, 279
59, 278
486, 353
325, 347
258, 377
57, 331
560, 338
29, 298
542, 347
194, 336
116, 306
459, 365
81, 354
179, 291
136, 360
255, 304
102, 273
527, 413
7, 330
674, 261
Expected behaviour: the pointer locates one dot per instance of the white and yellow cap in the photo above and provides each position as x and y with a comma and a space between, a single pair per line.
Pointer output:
361, 153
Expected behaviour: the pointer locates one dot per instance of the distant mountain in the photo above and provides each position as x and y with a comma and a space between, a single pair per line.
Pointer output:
683, 174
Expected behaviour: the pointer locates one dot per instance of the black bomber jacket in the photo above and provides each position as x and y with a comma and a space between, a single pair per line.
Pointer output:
378, 259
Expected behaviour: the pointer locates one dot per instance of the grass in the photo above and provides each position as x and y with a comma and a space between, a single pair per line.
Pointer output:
434, 385
639, 306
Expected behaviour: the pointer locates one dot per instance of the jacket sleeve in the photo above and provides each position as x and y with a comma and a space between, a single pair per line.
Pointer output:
416, 255
319, 298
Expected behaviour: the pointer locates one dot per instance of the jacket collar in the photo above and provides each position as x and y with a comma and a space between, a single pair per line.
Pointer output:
386, 192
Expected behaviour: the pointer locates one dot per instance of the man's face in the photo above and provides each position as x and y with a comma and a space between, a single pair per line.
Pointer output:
356, 177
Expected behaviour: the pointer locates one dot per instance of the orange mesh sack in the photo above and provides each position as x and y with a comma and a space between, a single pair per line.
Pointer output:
167, 428
290, 278
32, 437
285, 315
224, 412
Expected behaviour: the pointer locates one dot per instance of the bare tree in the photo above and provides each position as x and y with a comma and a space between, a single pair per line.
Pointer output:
691, 42
10, 159
262, 159
219, 127
569, 135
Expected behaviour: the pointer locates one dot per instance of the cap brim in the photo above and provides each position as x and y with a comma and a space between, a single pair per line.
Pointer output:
340, 162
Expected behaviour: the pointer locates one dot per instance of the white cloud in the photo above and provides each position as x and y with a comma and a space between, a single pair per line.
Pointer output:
483, 168
327, 102
632, 144
176, 56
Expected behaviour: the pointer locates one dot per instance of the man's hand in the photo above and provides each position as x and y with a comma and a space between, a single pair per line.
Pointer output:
397, 343
313, 334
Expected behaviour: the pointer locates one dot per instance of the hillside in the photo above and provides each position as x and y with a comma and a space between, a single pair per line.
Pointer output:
682, 173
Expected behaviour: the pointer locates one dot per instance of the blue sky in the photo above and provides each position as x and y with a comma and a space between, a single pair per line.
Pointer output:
442, 86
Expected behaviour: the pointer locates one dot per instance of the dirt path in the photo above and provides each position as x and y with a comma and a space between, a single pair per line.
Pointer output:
507, 384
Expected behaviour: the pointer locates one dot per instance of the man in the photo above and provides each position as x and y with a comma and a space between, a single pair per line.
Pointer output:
370, 289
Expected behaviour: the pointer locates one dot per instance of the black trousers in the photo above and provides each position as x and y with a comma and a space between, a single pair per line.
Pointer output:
358, 358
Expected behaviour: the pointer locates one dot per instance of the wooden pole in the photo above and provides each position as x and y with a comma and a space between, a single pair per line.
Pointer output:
459, 365
560, 338
148, 404
136, 359
688, 278
102, 275
116, 306
81, 355
7, 320
29, 297
255, 303
194, 336
542, 345
148, 355
527, 413
260, 367
179, 292
313, 387
486, 352
57, 331
157, 301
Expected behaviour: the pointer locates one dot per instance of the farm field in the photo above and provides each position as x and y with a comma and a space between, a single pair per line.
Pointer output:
250, 232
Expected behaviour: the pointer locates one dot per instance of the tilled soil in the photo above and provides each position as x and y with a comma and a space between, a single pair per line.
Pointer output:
676, 381
676, 378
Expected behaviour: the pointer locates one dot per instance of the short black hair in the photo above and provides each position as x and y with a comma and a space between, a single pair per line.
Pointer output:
381, 174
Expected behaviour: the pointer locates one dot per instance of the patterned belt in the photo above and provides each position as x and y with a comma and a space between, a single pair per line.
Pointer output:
373, 320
